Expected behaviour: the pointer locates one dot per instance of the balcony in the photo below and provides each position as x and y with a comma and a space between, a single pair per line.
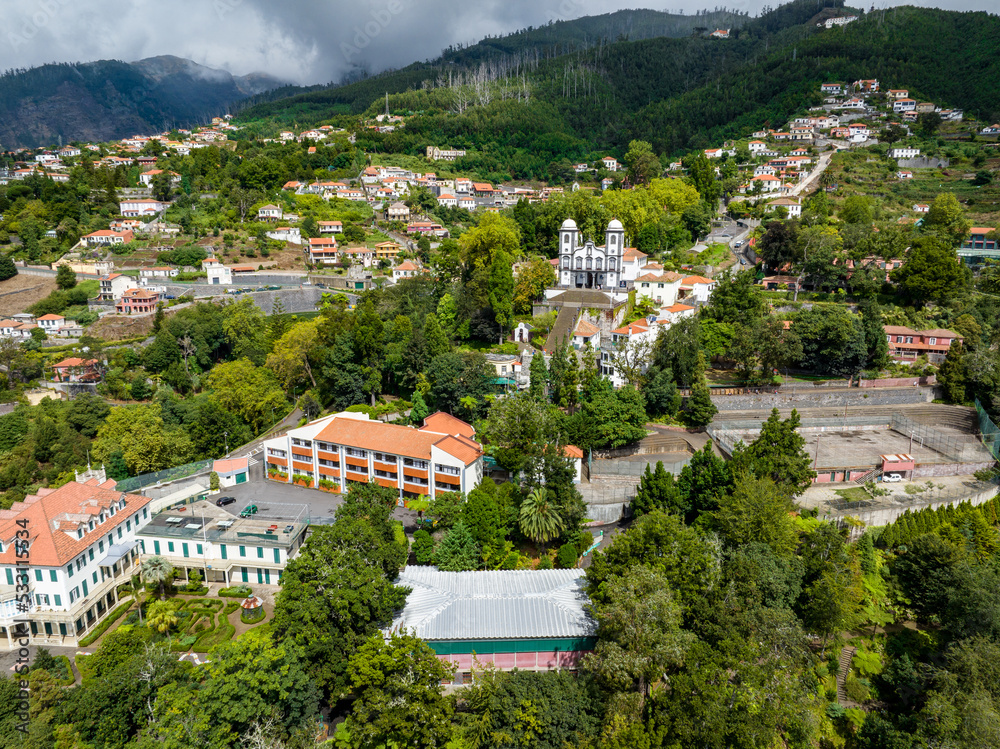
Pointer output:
302, 451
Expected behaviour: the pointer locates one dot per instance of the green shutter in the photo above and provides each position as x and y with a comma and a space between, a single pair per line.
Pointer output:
156, 547
243, 551
223, 547
53, 576
10, 576
85, 591
243, 570
198, 547
38, 575
277, 556
170, 546
184, 549
260, 552
58, 600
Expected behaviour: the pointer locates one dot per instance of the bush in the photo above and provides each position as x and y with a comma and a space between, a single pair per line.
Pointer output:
545, 563
423, 547
567, 556
7, 267
213, 481
236, 591
103, 627
252, 617
857, 689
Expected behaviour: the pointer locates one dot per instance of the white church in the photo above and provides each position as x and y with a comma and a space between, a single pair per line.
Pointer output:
586, 265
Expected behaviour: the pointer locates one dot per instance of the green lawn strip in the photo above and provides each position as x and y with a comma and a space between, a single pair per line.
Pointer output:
103, 627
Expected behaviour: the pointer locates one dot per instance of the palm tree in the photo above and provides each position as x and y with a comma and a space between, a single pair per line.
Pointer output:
162, 616
540, 520
134, 588
156, 570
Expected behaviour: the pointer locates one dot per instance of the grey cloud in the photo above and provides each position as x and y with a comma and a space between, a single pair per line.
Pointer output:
305, 41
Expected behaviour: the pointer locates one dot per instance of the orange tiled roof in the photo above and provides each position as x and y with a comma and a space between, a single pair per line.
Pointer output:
458, 448
51, 513
585, 329
447, 424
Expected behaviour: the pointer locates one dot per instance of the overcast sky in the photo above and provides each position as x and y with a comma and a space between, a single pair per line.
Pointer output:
304, 41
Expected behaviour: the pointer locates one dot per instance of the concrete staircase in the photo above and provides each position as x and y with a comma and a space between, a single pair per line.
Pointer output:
846, 658
562, 330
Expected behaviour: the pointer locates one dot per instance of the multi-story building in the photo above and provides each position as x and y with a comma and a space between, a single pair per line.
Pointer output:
108, 236
906, 344
322, 250
80, 547
586, 265
137, 301
979, 239
223, 548
138, 207
345, 448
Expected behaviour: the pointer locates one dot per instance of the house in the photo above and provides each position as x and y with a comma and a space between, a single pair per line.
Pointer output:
221, 547
904, 175
991, 130
232, 471
51, 324
108, 237
447, 200
83, 548
16, 329
607, 183
581, 168
75, 369
482, 189
978, 240
767, 182
139, 207
895, 94
633, 262
800, 133
322, 251
387, 251
904, 153
831, 88
674, 313
219, 274
147, 177
584, 333
533, 620
350, 193
290, 234
904, 105
720, 34
463, 185
157, 273
406, 269
269, 213
635, 341
906, 344
397, 212
780, 283
335, 451
330, 227
697, 288
792, 205
139, 301
114, 285
925, 107
829, 23
867, 86
443, 154
921, 208
611, 164
661, 288
756, 147
427, 227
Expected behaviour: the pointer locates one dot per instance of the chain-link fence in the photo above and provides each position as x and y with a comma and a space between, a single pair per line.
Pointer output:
931, 495
634, 468
168, 474
990, 432
960, 448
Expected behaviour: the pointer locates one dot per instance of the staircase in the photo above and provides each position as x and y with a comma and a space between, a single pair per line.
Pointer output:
846, 658
873, 475
562, 330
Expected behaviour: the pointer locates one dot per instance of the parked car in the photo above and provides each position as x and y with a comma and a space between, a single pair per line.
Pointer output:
248, 511
223, 501
739, 243
892, 478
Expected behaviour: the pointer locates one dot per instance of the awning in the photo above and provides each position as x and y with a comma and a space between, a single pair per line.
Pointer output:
116, 552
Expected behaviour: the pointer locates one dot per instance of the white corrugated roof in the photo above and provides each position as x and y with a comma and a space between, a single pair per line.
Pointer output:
504, 604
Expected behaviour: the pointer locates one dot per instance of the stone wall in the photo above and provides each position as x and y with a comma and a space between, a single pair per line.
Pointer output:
849, 398
930, 470
887, 515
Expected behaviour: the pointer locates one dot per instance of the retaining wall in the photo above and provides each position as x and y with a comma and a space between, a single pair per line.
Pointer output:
929, 470
887, 397
887, 515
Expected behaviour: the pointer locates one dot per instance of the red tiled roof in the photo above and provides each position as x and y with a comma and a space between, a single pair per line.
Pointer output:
74, 362
50, 514
447, 424
572, 451
585, 329
458, 448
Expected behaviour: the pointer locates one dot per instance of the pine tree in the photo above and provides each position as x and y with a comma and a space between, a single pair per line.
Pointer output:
7, 267
700, 409
951, 374
539, 378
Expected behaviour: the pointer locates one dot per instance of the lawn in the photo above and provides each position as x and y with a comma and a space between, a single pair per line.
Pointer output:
855, 494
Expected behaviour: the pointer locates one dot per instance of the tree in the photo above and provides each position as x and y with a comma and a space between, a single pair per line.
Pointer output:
932, 271
757, 511
699, 407
368, 347
643, 166
660, 393
736, 299
518, 427
539, 519
538, 378
162, 616
630, 359
457, 551
502, 290
290, 359
951, 374
703, 481
158, 571
7, 267
496, 233
876, 344
139, 435
639, 636
777, 454
946, 217
248, 391
618, 417
245, 328
926, 573
532, 279
857, 209
65, 277
657, 491
928, 123
398, 700
435, 337
833, 341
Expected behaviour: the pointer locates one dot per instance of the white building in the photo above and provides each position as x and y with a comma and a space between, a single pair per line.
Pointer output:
139, 207
611, 164
270, 213
633, 263
586, 265
81, 546
51, 324
406, 269
634, 341
286, 234
443, 154
838, 21
697, 288
661, 288
904, 105
219, 274
114, 285
346, 448
792, 205
584, 333
904, 153
330, 227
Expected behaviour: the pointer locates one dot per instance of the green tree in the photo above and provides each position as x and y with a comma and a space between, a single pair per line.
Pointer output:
618, 417
951, 374
501, 290
757, 511
932, 271
290, 358
657, 490
539, 518
947, 218
639, 633
162, 616
367, 340
703, 481
458, 550
156, 570
699, 407
643, 165
517, 429
539, 378
65, 277
876, 344
140, 436
777, 454
435, 337
496, 233
245, 328
7, 267
248, 391
532, 279
396, 683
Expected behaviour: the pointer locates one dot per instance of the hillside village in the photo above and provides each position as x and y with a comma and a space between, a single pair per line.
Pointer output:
342, 434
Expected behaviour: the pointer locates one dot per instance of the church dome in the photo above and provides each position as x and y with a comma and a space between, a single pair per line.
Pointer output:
615, 225
569, 225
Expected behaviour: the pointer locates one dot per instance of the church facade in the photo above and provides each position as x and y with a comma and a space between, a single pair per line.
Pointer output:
584, 265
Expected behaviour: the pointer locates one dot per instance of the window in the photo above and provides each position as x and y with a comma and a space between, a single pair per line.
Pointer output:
128, 524
222, 548
69, 569
329, 463
119, 531
386, 475
156, 547
38, 575
417, 481
86, 590
413, 463
243, 551
184, 550
277, 453
198, 548
100, 546
94, 576
10, 576
450, 470
90, 553
144, 514
53, 576
170, 546
909, 339
277, 556
899, 339
325, 446
384, 457
72, 596
301, 443
260, 552
933, 341
579, 263
58, 599
355, 453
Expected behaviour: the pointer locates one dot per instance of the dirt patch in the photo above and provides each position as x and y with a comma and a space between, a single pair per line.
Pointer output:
119, 327
21, 291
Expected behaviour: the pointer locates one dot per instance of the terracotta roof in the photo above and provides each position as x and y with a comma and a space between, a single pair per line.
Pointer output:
447, 424
631, 253
980, 230
572, 451
231, 465
459, 448
585, 329
940, 333
899, 330
696, 279
51, 317
75, 362
407, 266
639, 326
51, 514
677, 308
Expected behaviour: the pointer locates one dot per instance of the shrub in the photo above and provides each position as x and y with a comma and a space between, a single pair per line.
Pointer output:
567, 556
252, 617
103, 627
857, 689
236, 591
423, 547
545, 563
213, 481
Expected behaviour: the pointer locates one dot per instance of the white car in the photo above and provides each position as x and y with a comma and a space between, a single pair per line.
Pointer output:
738, 244
892, 478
